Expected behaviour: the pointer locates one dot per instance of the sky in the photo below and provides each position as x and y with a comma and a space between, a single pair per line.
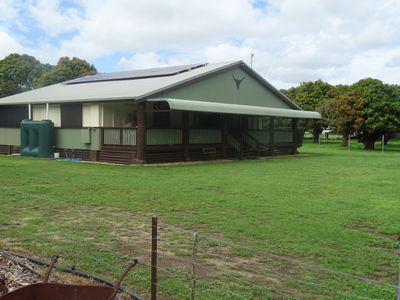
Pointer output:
293, 41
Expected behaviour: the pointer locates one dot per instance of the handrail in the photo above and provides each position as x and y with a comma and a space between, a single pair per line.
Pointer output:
251, 141
252, 138
233, 142
131, 127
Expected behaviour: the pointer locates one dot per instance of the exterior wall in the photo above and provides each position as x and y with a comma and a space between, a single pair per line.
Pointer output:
71, 138
10, 136
222, 88
39, 113
64, 138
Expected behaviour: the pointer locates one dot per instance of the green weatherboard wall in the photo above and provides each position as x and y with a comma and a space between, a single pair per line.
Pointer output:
222, 88
68, 138
76, 138
9, 136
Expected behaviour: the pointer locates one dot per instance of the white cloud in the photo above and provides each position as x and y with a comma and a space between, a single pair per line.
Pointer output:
8, 42
145, 26
227, 52
145, 60
10, 11
293, 40
374, 63
50, 18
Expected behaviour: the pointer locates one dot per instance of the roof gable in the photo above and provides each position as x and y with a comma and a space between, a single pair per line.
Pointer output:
235, 85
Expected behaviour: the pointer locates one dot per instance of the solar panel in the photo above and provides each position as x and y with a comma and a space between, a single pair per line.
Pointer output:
136, 74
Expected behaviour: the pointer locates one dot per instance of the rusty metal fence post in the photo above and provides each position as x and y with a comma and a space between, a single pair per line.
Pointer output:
194, 256
154, 228
398, 283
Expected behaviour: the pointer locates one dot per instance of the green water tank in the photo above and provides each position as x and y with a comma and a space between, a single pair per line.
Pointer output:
37, 138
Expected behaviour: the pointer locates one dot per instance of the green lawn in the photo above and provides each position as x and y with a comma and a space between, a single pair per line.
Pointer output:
328, 207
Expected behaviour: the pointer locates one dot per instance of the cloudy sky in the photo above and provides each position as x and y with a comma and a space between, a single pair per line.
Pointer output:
339, 41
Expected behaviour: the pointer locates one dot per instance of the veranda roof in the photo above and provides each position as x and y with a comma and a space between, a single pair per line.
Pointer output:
203, 106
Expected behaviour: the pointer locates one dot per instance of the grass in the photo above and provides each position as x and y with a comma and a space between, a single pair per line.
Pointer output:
328, 206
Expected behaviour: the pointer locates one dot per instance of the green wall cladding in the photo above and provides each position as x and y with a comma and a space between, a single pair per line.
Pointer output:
37, 138
222, 88
78, 138
67, 138
10, 136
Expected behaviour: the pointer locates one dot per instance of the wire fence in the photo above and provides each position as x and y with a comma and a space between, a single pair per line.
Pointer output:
189, 265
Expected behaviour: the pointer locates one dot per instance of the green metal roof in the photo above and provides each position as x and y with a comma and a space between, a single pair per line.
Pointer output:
202, 106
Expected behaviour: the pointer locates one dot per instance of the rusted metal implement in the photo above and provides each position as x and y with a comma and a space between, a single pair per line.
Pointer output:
3, 287
51, 291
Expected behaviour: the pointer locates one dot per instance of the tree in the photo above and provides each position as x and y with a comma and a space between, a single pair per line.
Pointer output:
380, 111
66, 69
316, 96
38, 72
348, 119
16, 73
19, 73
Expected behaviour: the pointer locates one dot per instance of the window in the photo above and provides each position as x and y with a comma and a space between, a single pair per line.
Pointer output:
71, 115
11, 116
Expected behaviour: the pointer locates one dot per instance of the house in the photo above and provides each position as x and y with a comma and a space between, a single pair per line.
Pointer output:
182, 113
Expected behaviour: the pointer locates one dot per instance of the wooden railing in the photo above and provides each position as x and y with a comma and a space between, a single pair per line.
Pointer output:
263, 136
284, 135
163, 136
234, 143
250, 141
205, 136
119, 136
127, 136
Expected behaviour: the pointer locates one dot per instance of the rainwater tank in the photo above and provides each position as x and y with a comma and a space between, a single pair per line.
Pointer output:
37, 138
